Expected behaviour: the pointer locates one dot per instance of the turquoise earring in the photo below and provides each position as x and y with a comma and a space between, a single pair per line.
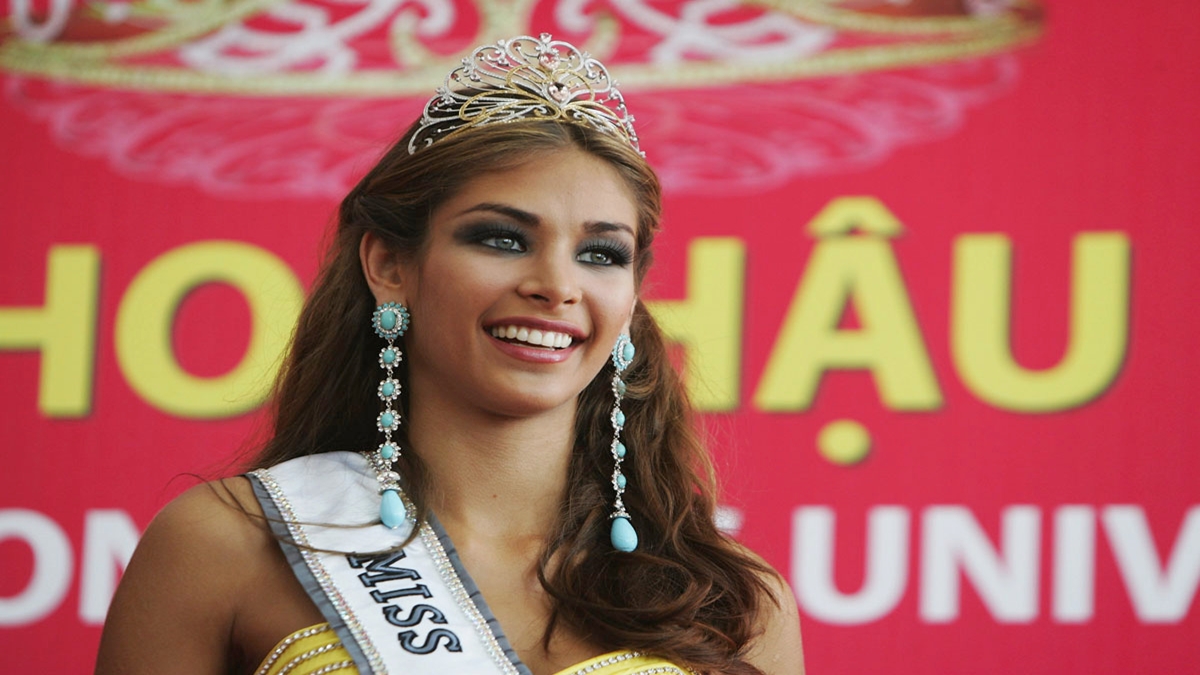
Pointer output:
623, 536
390, 321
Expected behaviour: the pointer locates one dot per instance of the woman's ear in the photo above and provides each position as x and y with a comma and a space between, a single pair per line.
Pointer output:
384, 272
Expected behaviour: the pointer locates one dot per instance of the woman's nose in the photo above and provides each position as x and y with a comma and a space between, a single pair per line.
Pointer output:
552, 279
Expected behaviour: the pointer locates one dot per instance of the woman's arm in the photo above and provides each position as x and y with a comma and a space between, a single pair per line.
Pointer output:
174, 609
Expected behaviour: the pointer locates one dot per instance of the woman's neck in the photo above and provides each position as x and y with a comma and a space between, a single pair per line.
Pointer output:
493, 476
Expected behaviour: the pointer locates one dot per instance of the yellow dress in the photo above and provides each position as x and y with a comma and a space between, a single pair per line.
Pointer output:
316, 650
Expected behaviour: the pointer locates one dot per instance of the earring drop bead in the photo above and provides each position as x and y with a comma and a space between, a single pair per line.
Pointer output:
391, 509
624, 538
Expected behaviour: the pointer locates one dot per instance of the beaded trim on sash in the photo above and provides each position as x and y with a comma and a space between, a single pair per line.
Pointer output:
433, 542
338, 498
311, 558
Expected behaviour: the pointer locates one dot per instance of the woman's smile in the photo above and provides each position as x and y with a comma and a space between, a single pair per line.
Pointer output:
536, 340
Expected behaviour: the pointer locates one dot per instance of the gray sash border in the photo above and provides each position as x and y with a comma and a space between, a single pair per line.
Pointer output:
288, 532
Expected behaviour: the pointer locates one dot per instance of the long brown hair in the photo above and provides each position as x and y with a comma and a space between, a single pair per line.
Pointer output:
688, 593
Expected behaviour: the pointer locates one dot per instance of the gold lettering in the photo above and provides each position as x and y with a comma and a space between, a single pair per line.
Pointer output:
146, 316
708, 322
980, 323
63, 329
843, 270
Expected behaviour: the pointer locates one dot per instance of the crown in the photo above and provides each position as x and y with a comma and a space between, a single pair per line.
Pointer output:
525, 78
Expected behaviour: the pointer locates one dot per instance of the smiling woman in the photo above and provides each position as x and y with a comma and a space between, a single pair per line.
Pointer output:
498, 472
541, 247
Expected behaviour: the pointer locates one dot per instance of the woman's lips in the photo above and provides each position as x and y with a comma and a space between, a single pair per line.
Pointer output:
532, 354
534, 339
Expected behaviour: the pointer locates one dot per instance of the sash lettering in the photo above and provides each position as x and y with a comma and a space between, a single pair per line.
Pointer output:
392, 584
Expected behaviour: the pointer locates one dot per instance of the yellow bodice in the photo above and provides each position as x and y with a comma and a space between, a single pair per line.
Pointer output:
316, 650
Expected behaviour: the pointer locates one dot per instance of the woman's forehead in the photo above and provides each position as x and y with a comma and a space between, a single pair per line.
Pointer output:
567, 184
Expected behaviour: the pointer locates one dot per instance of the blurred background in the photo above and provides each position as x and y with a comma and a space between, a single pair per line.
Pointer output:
929, 266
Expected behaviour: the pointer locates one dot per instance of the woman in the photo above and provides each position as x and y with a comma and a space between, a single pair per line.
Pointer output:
474, 348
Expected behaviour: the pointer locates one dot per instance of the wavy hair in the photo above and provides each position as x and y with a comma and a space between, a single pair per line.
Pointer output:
688, 593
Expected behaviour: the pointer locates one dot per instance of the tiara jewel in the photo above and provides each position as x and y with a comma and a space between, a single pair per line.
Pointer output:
525, 78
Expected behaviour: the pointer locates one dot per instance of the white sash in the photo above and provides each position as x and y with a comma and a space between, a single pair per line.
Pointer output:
413, 611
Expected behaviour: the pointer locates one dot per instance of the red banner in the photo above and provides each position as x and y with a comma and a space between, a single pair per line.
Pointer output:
928, 264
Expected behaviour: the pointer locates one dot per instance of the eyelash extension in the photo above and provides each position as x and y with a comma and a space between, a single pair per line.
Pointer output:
481, 233
620, 254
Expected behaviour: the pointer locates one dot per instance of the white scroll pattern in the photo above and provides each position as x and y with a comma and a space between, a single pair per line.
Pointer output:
252, 148
732, 139
693, 30
318, 39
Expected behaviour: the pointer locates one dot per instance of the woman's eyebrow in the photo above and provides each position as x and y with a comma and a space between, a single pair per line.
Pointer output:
602, 226
523, 217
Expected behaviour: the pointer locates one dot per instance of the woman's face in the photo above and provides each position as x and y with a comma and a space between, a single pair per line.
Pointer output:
543, 253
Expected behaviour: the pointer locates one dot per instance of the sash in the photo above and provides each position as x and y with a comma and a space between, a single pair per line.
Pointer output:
403, 611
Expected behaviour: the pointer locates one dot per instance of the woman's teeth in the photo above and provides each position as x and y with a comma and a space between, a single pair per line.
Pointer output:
532, 336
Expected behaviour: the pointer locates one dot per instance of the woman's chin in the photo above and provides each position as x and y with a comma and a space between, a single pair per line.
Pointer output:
525, 407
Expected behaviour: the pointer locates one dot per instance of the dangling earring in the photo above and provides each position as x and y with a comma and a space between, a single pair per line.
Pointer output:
390, 320
623, 536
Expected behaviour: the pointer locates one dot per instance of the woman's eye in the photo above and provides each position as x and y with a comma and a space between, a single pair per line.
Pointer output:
596, 257
604, 253
504, 243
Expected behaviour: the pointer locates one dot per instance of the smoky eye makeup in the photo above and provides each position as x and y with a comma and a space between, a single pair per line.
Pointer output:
605, 252
598, 250
499, 236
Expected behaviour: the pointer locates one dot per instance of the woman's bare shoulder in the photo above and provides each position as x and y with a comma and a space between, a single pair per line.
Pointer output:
778, 649
207, 528
180, 592
223, 513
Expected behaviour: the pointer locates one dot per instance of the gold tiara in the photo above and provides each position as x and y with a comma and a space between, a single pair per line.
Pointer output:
525, 78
